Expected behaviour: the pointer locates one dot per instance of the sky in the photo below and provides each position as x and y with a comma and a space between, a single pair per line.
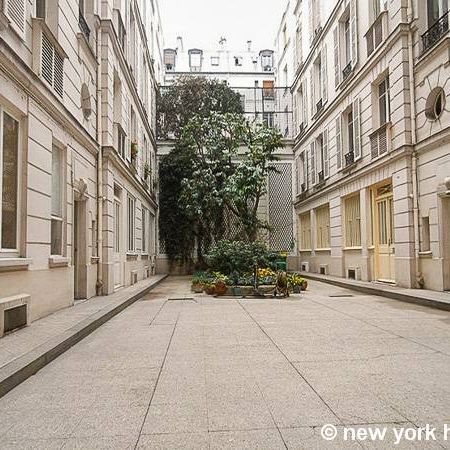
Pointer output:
202, 23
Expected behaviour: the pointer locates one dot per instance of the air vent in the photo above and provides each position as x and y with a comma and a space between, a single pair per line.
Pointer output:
323, 269
304, 266
15, 318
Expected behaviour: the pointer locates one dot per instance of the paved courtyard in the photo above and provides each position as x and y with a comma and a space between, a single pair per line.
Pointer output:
178, 370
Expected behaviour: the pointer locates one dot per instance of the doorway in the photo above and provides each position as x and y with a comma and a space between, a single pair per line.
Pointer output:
384, 235
79, 250
118, 276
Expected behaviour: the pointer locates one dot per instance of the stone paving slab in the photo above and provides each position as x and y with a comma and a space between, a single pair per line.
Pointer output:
240, 374
25, 351
434, 299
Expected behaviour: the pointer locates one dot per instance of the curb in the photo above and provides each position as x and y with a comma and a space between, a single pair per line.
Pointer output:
372, 290
20, 369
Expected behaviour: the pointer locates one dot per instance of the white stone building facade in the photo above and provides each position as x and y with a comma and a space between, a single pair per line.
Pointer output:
372, 163
73, 73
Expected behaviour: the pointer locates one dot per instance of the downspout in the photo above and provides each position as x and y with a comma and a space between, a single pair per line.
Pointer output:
99, 285
415, 185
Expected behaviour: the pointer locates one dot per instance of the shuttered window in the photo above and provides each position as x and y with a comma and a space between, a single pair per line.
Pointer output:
15, 11
57, 202
145, 230
305, 231
131, 211
352, 222
323, 227
52, 66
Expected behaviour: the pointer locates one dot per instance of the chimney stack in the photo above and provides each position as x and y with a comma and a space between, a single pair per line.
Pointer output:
180, 46
249, 46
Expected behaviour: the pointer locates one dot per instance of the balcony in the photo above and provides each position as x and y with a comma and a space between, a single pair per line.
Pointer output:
347, 70
84, 27
350, 158
434, 34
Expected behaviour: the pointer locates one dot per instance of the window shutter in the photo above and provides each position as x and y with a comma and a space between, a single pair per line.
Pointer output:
326, 159
324, 74
305, 169
313, 165
297, 174
305, 103
338, 143
58, 74
353, 32
313, 103
357, 129
319, 153
296, 121
337, 67
47, 60
15, 11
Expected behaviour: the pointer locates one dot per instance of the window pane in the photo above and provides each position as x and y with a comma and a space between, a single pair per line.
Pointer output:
9, 182
56, 182
56, 237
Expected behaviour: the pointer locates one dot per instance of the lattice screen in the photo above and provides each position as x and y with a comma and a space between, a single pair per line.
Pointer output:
280, 208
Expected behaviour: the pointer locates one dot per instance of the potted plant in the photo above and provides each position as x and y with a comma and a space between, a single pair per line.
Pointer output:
210, 288
220, 287
295, 282
198, 281
134, 150
304, 285
147, 171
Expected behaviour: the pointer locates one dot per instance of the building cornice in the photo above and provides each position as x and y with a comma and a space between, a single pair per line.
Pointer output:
26, 79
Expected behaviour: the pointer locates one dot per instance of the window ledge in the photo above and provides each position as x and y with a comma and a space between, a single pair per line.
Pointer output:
14, 263
358, 247
132, 255
426, 254
58, 261
326, 249
94, 259
305, 250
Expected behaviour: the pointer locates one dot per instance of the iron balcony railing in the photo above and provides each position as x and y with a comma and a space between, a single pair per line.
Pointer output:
347, 70
321, 177
84, 27
271, 106
349, 158
434, 34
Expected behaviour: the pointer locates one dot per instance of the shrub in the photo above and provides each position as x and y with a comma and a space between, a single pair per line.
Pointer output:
241, 257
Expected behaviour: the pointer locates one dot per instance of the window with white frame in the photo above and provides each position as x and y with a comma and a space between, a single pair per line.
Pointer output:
348, 136
352, 221
305, 231
435, 10
323, 227
57, 219
301, 173
41, 9
318, 80
319, 157
345, 43
9, 171
215, 60
298, 45
131, 222
383, 101
145, 215
314, 19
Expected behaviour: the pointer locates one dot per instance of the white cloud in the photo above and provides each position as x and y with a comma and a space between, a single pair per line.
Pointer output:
201, 23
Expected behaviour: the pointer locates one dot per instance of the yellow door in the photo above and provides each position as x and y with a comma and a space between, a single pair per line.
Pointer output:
385, 245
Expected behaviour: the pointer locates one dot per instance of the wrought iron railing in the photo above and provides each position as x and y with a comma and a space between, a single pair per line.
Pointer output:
272, 106
84, 27
349, 158
319, 106
321, 177
434, 34
347, 70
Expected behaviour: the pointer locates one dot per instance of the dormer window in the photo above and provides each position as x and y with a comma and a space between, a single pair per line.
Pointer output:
195, 60
267, 60
170, 59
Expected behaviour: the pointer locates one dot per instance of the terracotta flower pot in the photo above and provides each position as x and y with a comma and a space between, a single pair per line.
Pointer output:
221, 288
210, 289
197, 288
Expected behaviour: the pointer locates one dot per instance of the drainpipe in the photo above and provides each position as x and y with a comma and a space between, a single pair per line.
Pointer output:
99, 285
415, 185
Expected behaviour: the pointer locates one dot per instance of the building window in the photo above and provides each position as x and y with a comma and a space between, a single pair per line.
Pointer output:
352, 221
285, 36
145, 215
435, 102
215, 60
383, 101
426, 247
268, 119
131, 214
301, 173
57, 201
435, 10
266, 60
305, 231
298, 45
170, 58
94, 239
52, 66
9, 163
238, 61
195, 60
121, 33
351, 139
323, 227
41, 9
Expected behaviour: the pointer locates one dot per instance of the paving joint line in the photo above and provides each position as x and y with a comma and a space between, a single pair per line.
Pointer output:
157, 378
290, 363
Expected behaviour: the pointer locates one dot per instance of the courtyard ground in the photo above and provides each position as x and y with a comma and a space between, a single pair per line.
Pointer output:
178, 370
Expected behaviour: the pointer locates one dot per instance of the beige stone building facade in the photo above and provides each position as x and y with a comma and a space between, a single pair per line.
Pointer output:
371, 150
77, 149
